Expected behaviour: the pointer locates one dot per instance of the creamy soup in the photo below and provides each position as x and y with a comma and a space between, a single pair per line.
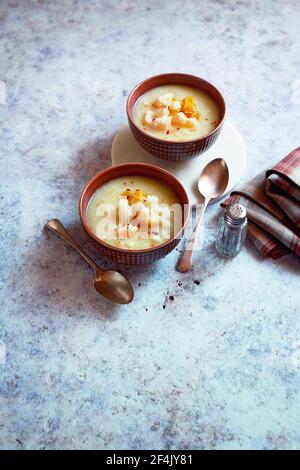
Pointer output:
176, 113
134, 212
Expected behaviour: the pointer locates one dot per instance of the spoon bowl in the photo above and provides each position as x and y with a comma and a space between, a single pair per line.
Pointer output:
214, 179
122, 292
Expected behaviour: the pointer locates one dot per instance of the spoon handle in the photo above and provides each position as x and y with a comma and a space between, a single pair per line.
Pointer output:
185, 261
56, 226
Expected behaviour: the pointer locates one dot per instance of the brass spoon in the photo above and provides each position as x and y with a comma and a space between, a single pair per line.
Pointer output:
110, 284
211, 184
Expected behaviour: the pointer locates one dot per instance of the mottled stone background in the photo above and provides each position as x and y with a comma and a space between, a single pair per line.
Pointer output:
207, 360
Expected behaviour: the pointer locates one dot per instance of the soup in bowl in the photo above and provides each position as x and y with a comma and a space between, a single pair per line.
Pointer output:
175, 116
135, 212
176, 113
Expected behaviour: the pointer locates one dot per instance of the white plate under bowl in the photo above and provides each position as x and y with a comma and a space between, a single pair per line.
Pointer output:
229, 146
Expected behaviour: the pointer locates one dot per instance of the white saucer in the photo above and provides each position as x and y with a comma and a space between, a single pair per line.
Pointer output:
229, 146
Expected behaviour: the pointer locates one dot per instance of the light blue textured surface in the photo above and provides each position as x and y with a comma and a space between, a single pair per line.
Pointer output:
218, 367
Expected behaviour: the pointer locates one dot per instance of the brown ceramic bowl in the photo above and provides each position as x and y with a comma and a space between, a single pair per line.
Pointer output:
168, 150
121, 255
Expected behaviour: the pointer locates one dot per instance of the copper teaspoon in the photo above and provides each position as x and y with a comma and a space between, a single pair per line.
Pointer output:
110, 284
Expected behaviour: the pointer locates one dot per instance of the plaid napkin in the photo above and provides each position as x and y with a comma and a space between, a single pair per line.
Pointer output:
272, 200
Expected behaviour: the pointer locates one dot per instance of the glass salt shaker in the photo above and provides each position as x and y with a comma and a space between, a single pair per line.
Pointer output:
232, 229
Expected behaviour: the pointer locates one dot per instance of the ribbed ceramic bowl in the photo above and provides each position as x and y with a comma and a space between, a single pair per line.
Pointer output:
171, 150
121, 255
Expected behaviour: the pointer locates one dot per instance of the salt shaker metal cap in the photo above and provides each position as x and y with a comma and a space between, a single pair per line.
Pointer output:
235, 214
232, 228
